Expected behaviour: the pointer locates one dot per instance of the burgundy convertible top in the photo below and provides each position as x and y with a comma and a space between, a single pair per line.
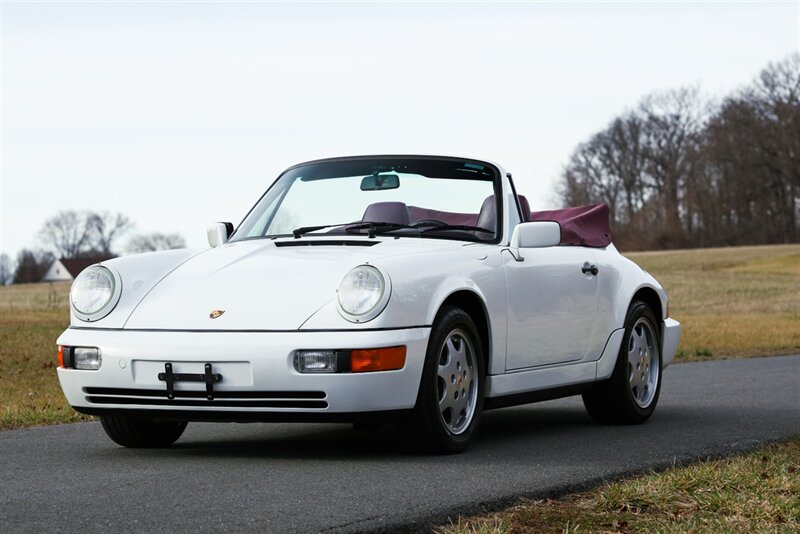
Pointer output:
582, 225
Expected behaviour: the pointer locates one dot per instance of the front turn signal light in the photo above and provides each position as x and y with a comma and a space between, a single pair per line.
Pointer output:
383, 359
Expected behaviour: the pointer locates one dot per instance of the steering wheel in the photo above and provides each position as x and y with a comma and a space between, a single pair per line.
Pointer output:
428, 222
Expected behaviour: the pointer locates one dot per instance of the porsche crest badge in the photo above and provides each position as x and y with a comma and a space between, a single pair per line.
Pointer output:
216, 313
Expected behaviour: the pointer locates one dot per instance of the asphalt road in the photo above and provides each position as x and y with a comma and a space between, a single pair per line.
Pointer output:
311, 477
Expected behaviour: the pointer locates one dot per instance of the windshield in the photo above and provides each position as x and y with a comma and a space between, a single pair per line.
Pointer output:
405, 197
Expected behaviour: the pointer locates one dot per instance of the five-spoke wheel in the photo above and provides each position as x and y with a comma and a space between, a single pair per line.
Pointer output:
631, 394
642, 352
450, 398
457, 381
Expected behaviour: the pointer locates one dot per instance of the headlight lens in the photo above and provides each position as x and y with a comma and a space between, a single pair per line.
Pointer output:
92, 291
361, 293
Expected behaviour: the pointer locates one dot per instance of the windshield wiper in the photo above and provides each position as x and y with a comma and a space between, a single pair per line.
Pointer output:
377, 226
437, 227
297, 232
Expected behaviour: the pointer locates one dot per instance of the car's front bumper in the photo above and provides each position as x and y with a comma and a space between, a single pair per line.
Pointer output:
258, 376
671, 338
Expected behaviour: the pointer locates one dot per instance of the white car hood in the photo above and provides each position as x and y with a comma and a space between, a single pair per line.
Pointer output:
257, 285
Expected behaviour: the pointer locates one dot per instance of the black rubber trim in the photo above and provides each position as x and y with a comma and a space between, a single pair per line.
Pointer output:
69, 361
132, 392
163, 401
516, 399
231, 416
250, 331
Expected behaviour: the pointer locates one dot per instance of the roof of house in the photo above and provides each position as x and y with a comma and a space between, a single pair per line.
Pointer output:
75, 265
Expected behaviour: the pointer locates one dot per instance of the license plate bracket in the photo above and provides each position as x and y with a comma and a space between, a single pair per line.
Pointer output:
209, 377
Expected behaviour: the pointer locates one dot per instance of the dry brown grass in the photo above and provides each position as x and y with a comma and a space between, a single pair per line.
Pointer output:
31, 318
740, 301
758, 492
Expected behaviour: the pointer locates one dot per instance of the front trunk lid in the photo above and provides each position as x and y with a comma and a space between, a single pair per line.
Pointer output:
251, 285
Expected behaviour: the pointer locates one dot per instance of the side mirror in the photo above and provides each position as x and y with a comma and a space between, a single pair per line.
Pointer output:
536, 234
218, 233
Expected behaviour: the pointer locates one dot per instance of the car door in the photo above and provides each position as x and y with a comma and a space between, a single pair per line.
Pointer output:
552, 300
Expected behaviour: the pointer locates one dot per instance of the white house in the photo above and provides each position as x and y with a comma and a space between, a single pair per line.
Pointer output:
66, 269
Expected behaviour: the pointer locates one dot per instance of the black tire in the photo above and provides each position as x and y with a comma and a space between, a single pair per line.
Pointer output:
631, 394
141, 433
449, 430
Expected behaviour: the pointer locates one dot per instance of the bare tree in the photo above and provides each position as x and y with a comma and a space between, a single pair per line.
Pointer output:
105, 228
587, 177
752, 161
154, 241
611, 168
74, 234
673, 128
625, 158
32, 265
775, 97
68, 233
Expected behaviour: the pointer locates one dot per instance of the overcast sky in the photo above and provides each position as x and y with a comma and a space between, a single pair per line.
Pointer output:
181, 113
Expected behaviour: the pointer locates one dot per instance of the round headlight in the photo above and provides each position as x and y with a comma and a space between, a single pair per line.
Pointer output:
94, 293
363, 294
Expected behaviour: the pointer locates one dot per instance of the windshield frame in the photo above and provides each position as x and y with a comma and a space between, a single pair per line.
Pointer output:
497, 185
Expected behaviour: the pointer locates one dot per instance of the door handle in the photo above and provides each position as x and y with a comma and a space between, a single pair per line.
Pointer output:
590, 268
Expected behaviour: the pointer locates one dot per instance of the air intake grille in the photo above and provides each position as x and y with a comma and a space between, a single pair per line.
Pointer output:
325, 243
222, 399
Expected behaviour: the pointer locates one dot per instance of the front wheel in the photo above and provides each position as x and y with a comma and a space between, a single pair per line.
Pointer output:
141, 433
450, 398
631, 394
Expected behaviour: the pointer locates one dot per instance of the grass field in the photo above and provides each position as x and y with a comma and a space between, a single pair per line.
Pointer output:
31, 318
732, 302
738, 301
758, 492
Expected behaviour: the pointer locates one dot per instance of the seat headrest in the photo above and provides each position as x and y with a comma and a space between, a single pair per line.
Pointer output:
392, 212
526, 208
486, 218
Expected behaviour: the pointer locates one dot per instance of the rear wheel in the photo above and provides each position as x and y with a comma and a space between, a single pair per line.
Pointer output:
631, 394
450, 398
141, 433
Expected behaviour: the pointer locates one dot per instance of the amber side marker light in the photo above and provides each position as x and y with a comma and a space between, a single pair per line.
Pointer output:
61, 356
383, 359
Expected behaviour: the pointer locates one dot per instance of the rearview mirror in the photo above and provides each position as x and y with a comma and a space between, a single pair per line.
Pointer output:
536, 234
218, 233
379, 182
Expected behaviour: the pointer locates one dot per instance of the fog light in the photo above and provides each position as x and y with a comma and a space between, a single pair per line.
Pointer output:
315, 361
86, 358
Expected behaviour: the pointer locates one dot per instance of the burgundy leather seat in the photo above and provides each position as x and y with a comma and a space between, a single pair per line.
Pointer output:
487, 216
526, 208
391, 212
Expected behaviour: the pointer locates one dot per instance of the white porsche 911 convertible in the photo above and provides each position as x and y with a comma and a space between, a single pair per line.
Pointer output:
412, 289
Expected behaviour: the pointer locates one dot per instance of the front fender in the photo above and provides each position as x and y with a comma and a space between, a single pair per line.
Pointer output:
139, 274
420, 288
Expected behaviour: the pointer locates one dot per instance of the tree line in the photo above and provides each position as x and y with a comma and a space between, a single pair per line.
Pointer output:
80, 234
679, 171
